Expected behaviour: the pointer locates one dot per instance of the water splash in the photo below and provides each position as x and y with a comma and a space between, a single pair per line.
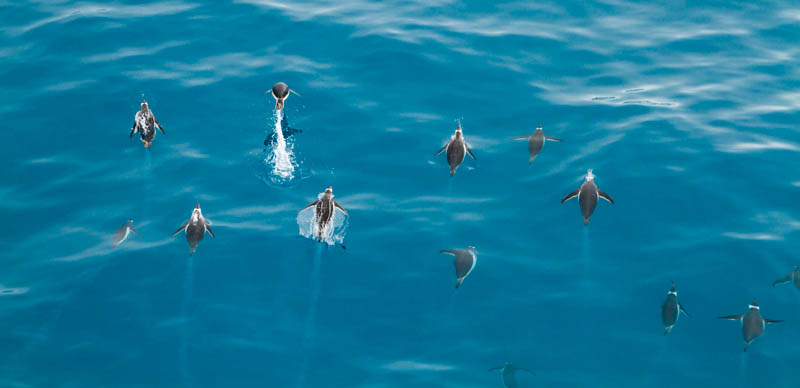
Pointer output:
333, 233
281, 159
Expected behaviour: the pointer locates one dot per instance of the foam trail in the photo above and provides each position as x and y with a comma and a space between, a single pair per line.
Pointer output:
148, 177
312, 312
280, 158
187, 300
587, 254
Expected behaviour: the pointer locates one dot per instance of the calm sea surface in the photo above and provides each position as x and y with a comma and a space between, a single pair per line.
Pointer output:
687, 112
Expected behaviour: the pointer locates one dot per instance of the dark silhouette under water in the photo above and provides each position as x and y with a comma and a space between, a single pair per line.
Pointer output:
285, 128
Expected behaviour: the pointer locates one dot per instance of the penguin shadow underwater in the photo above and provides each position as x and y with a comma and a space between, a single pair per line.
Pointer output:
286, 130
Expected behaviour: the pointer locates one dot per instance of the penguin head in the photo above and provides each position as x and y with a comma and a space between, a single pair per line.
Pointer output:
539, 128
329, 190
144, 103
589, 175
672, 290
754, 305
458, 129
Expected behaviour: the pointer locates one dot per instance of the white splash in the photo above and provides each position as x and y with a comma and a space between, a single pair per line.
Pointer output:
281, 158
333, 233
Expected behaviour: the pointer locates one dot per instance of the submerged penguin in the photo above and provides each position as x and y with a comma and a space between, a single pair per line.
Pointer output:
457, 149
587, 196
752, 323
145, 123
123, 232
671, 309
465, 261
323, 210
281, 92
195, 228
793, 276
509, 372
536, 142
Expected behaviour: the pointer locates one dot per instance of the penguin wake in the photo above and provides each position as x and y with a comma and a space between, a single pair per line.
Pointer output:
280, 159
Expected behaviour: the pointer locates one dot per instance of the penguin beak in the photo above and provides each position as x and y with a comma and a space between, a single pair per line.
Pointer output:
198, 206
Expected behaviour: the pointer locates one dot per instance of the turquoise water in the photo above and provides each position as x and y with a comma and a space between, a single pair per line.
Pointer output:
686, 111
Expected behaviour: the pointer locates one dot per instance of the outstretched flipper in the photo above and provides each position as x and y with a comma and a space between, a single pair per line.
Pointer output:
469, 151
182, 228
521, 138
495, 368
295, 93
605, 196
683, 310
570, 195
340, 208
133, 130
133, 230
773, 320
786, 279
310, 205
208, 229
443, 148
553, 139
731, 317
159, 125
450, 251
525, 369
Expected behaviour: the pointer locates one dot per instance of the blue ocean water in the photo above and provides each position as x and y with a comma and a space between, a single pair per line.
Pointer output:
687, 113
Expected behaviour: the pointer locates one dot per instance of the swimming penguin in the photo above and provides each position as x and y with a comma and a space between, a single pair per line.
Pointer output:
509, 371
281, 92
752, 323
535, 142
671, 309
587, 196
123, 232
465, 261
323, 210
457, 149
144, 123
793, 276
195, 228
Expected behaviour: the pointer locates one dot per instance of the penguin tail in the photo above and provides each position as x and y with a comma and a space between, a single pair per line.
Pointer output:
667, 330
278, 104
452, 171
530, 161
585, 221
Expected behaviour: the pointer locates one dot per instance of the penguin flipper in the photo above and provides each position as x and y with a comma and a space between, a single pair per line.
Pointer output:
605, 196
786, 279
133, 130
553, 139
208, 229
495, 368
521, 138
453, 252
731, 317
309, 205
160, 128
443, 148
295, 93
525, 369
469, 151
683, 310
180, 229
571, 195
773, 320
134, 230
340, 208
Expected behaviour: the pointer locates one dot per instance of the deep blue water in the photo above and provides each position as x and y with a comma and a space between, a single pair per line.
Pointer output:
686, 111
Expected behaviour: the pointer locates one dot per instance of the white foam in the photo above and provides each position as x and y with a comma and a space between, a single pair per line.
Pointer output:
281, 158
